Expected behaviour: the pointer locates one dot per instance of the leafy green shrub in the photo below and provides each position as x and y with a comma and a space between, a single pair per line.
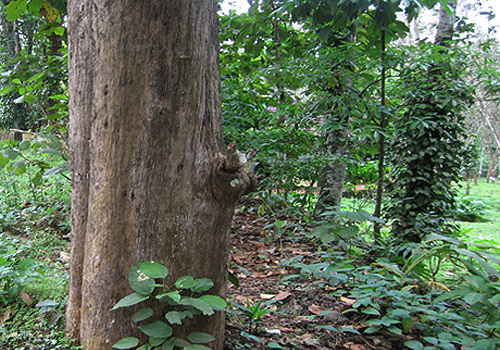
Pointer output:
342, 226
31, 193
362, 172
183, 300
15, 270
402, 289
469, 209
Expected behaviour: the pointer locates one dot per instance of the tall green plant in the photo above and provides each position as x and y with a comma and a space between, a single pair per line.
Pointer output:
428, 149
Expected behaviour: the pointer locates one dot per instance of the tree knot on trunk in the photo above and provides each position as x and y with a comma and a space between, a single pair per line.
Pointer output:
229, 180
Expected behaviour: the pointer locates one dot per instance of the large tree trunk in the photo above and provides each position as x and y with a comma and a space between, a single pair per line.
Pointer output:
150, 176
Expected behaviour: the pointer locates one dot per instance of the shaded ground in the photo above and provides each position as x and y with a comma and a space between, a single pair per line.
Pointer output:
302, 314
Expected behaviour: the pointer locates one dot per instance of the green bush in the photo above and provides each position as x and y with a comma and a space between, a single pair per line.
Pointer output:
470, 209
15, 270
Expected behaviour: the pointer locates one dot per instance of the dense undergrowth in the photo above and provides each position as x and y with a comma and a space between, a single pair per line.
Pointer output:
443, 293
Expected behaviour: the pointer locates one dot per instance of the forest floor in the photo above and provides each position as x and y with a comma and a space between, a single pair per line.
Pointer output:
301, 314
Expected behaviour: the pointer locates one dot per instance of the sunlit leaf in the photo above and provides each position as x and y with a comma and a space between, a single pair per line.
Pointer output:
157, 329
153, 269
143, 314
130, 300
126, 343
200, 337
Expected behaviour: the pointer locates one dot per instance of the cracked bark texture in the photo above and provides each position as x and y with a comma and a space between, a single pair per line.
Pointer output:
149, 172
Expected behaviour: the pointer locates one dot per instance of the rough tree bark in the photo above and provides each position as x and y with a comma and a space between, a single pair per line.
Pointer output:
151, 177
333, 175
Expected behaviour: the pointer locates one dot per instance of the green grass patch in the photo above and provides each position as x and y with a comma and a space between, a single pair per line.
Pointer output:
488, 230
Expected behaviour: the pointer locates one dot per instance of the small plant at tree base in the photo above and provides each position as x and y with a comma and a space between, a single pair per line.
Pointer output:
182, 303
254, 313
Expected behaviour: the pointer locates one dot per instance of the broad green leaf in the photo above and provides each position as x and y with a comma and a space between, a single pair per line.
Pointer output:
371, 311
59, 97
445, 336
348, 232
157, 329
408, 323
130, 300
168, 345
175, 296
476, 281
58, 169
232, 278
395, 330
185, 282
34, 6
6, 90
348, 330
198, 304
330, 328
414, 345
126, 343
280, 223
214, 301
139, 282
11, 154
15, 9
181, 343
156, 341
197, 347
59, 30
173, 317
19, 164
143, 314
488, 268
153, 269
202, 285
371, 330
24, 145
200, 337
51, 151
327, 237
323, 229
473, 298
37, 179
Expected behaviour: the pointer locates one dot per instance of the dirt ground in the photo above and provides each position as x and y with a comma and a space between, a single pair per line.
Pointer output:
302, 314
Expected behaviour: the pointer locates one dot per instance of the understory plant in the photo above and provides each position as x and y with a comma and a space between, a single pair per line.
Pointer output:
181, 301
15, 270
443, 293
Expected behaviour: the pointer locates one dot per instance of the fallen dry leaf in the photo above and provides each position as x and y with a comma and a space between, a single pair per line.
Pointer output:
25, 297
242, 299
266, 296
309, 340
347, 301
315, 309
282, 295
64, 257
353, 346
6, 316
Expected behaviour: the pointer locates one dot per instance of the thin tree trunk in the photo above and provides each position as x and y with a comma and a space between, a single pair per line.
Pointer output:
151, 180
381, 141
333, 176
446, 23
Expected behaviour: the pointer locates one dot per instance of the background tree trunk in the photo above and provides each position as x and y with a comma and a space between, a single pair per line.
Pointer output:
333, 175
150, 178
